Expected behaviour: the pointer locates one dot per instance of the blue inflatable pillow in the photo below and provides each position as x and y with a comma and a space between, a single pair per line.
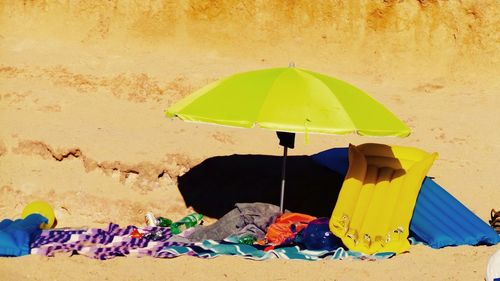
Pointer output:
335, 159
16, 236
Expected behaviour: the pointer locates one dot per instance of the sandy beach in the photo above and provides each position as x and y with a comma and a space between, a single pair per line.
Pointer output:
84, 86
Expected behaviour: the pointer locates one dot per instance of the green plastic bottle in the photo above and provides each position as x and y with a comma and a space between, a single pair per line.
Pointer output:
185, 223
247, 239
164, 222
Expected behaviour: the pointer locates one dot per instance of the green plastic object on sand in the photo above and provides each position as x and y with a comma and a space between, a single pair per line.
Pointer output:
247, 239
164, 222
186, 222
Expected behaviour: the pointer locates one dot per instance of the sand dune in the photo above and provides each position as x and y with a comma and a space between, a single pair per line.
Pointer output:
83, 87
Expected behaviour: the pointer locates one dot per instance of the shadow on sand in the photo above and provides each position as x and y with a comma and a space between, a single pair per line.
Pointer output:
215, 185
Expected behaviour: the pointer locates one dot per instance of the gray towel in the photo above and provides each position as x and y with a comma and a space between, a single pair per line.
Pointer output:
246, 218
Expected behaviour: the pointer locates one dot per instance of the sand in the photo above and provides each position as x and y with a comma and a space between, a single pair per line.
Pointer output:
84, 86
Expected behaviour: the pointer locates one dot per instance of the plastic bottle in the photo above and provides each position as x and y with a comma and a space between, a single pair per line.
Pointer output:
164, 222
185, 223
247, 239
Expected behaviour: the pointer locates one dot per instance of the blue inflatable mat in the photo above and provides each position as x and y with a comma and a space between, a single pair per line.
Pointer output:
439, 219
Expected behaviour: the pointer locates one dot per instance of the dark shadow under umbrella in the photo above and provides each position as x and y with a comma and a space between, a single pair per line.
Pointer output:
215, 185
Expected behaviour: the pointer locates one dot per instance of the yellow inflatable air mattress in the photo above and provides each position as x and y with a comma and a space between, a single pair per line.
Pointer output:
376, 202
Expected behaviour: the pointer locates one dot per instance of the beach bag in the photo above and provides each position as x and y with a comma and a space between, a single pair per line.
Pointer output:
317, 236
286, 227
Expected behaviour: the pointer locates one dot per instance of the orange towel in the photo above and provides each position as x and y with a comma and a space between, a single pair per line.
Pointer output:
286, 227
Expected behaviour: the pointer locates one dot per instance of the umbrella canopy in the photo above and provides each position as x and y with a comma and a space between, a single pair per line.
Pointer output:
289, 100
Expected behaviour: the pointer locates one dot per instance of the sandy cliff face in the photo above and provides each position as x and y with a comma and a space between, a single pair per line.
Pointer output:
353, 34
85, 83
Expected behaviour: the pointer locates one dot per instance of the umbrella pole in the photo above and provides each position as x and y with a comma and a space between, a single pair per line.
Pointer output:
283, 173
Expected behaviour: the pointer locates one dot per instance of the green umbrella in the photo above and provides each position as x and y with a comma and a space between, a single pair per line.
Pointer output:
289, 100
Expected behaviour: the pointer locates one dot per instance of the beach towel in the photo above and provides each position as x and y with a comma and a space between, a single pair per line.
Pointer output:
246, 219
104, 244
114, 242
230, 246
286, 227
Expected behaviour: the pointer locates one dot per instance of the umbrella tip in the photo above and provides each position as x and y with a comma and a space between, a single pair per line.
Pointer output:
291, 64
